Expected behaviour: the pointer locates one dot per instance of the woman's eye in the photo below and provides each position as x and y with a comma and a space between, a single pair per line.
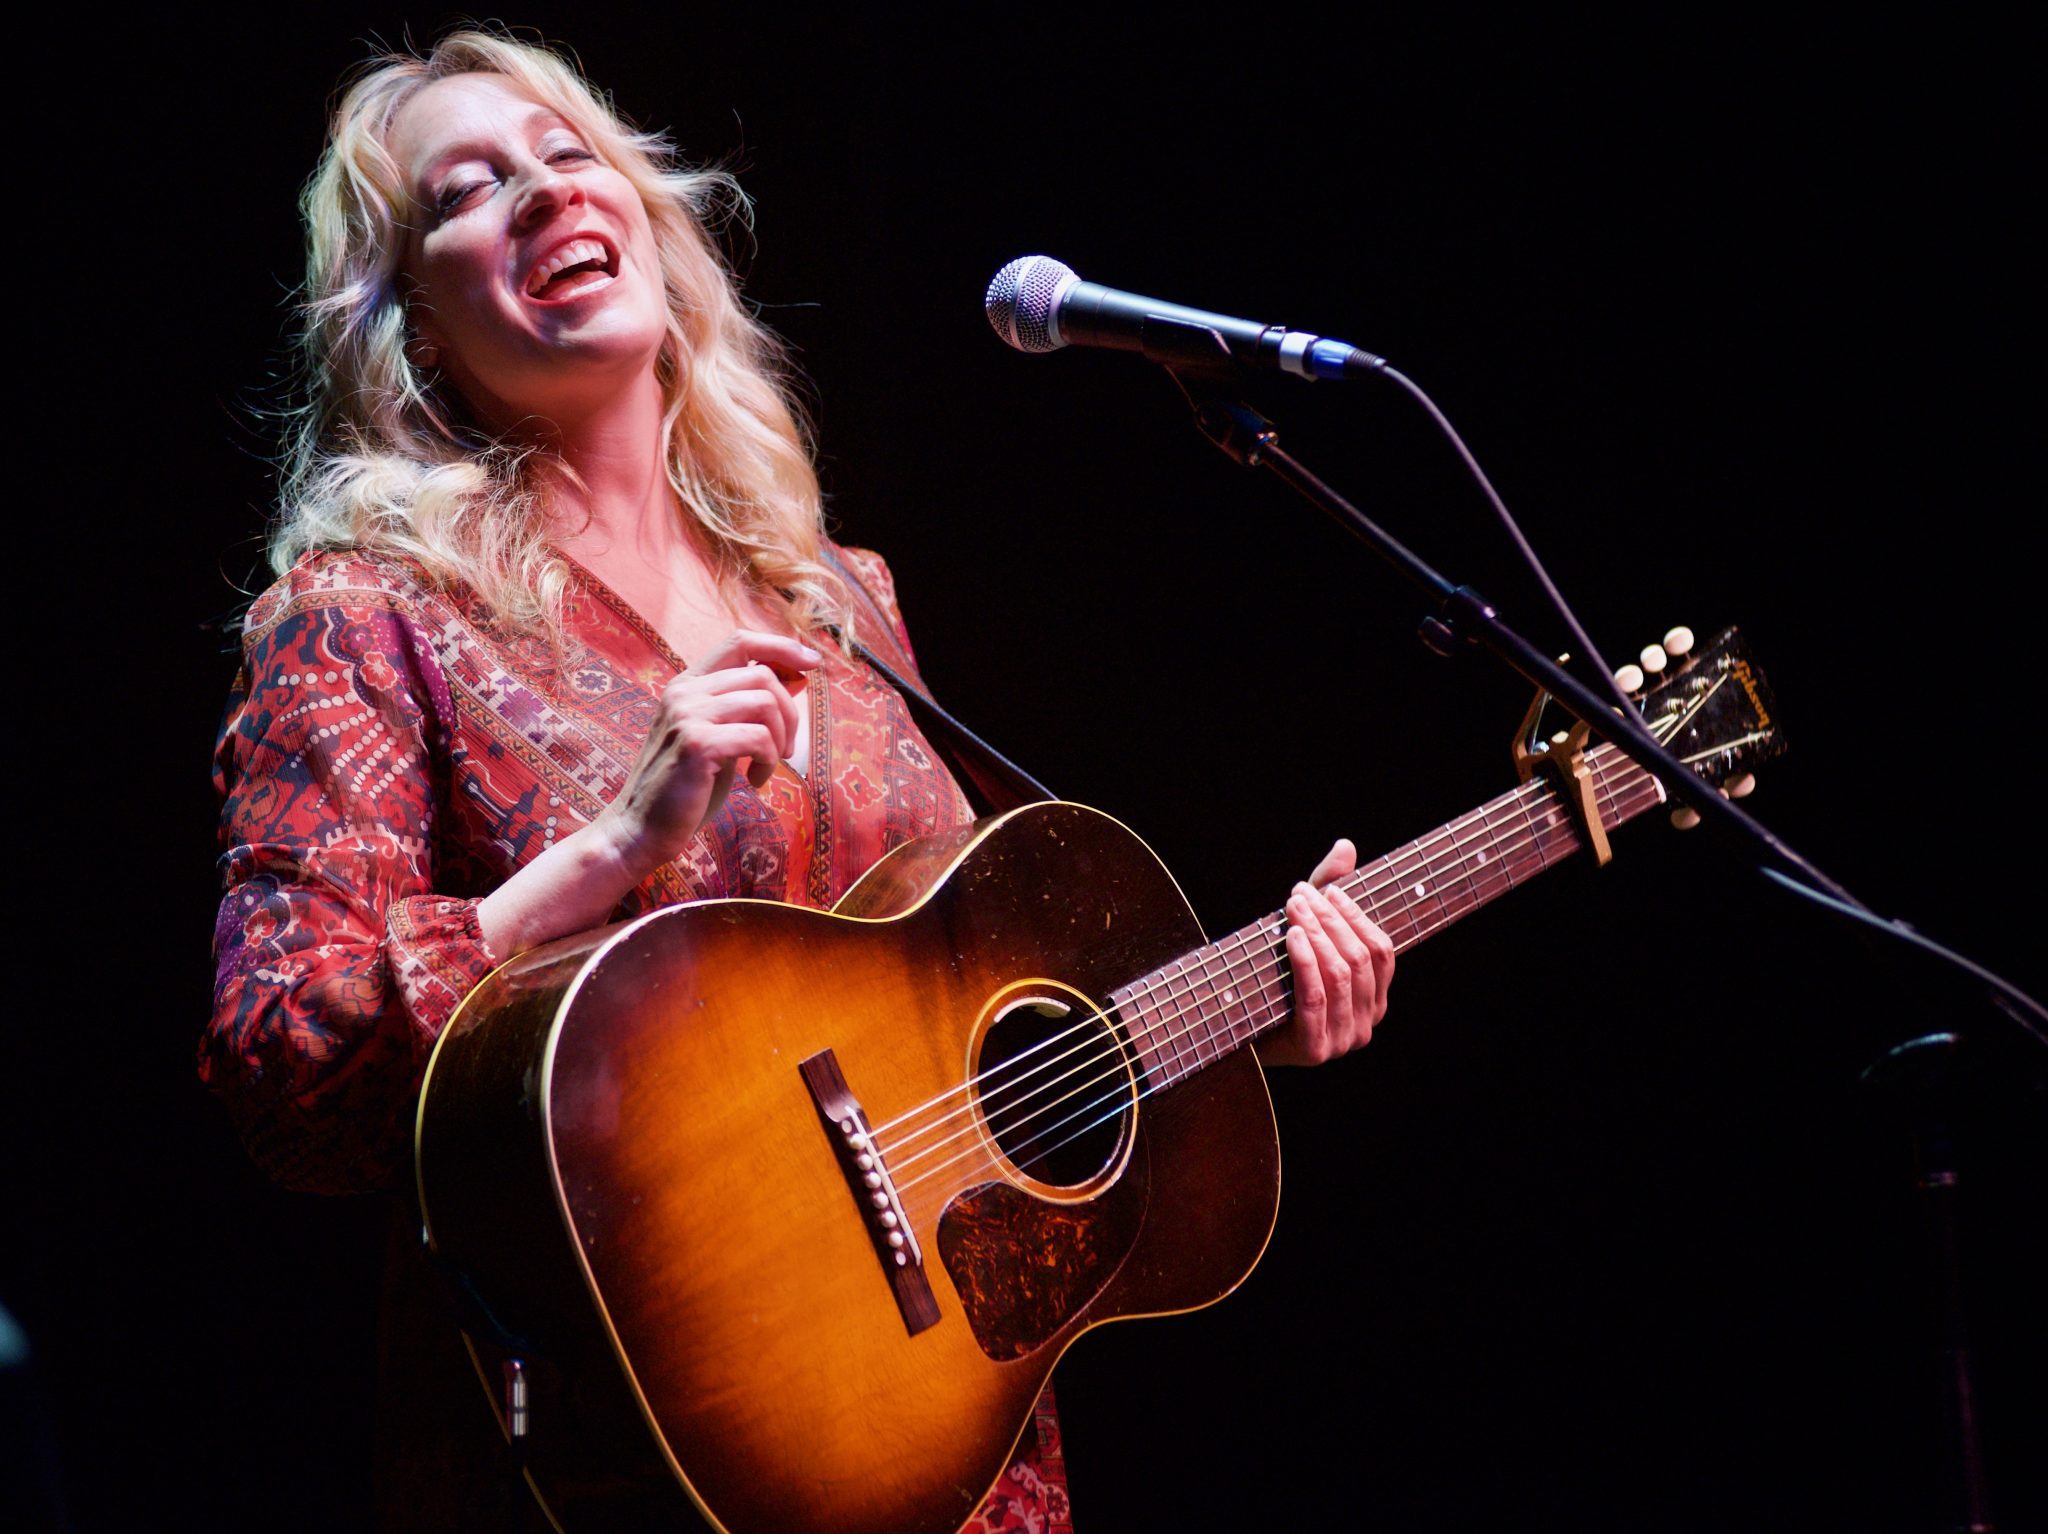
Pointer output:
456, 196
561, 156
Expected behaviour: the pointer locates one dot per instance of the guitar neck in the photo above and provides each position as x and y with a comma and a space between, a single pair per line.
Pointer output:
1223, 995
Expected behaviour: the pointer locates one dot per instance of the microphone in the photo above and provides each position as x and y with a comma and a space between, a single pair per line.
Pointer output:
1037, 304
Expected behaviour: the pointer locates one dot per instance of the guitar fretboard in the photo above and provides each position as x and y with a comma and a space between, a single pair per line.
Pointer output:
1220, 997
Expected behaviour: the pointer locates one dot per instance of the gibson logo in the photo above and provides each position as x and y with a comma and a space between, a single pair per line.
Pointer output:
1748, 680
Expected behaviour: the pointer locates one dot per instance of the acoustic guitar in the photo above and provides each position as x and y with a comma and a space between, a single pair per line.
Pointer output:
778, 1219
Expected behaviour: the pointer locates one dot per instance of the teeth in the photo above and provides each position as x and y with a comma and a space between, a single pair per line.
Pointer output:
572, 254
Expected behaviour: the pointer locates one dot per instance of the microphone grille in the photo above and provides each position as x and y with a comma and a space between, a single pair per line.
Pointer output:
1021, 298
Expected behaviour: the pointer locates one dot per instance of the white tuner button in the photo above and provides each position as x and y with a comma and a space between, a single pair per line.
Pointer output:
1629, 678
1685, 817
1654, 659
1741, 786
1678, 641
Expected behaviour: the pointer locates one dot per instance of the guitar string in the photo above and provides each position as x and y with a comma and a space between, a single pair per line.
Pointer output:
1117, 1102
1528, 833
1279, 983
1603, 759
1386, 868
1278, 980
1260, 934
1273, 991
1270, 992
1231, 949
1085, 1025
1369, 896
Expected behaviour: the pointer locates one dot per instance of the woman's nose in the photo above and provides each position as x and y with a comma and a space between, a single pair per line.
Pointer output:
546, 193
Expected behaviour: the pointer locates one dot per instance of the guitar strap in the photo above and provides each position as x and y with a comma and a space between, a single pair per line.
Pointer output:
991, 779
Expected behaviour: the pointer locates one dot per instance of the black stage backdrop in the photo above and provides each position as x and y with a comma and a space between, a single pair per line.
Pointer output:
1598, 1235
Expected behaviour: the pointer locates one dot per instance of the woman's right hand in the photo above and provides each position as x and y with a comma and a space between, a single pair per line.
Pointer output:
729, 707
732, 706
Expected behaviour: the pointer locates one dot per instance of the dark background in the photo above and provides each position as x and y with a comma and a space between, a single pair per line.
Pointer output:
1600, 1233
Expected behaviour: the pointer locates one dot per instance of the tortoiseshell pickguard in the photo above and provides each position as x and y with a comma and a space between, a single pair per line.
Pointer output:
1024, 1267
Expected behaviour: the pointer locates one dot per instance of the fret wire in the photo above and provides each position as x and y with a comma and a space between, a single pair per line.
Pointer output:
1180, 972
1471, 885
1200, 1029
1232, 1006
1167, 1048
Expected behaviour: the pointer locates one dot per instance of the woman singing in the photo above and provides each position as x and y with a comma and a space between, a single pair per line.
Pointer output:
557, 639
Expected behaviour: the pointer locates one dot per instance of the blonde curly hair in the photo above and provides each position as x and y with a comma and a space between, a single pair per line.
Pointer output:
379, 456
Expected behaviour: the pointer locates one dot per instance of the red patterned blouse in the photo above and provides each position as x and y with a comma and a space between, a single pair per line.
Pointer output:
389, 756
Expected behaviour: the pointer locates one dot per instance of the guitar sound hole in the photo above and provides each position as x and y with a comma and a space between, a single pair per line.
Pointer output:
1055, 1091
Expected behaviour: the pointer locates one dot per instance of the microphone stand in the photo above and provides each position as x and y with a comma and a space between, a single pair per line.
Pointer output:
1201, 365
1922, 1077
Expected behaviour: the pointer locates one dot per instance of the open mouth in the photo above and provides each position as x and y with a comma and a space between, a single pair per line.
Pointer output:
571, 270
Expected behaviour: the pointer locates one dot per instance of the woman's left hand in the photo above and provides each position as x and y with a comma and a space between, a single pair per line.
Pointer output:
1343, 965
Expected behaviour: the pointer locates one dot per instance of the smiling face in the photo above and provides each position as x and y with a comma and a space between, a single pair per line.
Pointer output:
534, 271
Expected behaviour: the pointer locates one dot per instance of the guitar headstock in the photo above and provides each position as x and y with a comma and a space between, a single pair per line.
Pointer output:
1710, 704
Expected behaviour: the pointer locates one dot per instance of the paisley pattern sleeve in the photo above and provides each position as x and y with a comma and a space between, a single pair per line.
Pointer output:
337, 960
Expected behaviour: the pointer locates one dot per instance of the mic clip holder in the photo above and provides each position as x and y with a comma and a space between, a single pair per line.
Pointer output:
1189, 351
1198, 359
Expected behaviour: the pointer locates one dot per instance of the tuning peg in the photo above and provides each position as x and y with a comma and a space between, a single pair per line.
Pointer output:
1629, 678
1678, 641
1685, 817
1741, 786
1654, 659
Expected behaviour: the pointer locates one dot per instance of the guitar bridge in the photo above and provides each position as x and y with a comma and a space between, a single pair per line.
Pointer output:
874, 1193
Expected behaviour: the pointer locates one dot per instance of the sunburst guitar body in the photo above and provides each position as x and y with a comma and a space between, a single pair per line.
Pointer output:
631, 1163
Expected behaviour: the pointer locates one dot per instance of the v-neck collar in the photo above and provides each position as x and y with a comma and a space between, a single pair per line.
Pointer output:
618, 604
814, 775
